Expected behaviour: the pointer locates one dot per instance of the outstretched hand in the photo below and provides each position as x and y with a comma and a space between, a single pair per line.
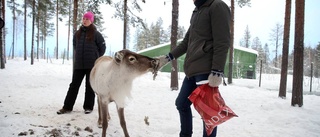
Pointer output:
163, 60
160, 62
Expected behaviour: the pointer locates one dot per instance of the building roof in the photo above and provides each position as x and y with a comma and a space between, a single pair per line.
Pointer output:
246, 49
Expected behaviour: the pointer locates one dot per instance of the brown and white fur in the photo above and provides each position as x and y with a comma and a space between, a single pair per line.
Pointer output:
111, 79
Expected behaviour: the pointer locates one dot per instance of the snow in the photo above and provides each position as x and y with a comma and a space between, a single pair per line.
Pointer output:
30, 95
157, 46
246, 49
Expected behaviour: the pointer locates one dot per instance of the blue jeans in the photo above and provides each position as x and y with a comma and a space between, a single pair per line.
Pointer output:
184, 106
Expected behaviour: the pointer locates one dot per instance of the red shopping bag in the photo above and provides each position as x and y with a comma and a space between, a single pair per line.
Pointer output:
211, 106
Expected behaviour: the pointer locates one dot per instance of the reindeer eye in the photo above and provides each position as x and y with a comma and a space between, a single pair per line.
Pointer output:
131, 58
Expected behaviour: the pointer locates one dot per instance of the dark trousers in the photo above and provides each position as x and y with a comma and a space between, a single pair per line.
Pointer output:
77, 77
184, 105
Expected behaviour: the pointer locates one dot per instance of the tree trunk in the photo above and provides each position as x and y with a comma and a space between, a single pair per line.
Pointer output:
44, 37
174, 35
57, 14
125, 22
14, 29
297, 88
2, 36
285, 51
75, 13
2, 64
69, 24
276, 58
32, 35
38, 30
25, 30
231, 43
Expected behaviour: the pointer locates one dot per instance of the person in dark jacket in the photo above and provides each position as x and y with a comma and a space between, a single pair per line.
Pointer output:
88, 45
206, 45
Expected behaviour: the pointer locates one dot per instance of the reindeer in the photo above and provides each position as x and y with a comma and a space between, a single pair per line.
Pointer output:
111, 79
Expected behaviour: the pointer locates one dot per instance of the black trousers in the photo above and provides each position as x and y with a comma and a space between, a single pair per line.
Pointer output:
89, 99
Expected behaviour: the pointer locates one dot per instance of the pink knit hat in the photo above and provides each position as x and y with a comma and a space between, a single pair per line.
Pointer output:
89, 15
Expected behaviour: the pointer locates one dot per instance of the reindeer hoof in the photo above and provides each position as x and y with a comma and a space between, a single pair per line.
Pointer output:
99, 125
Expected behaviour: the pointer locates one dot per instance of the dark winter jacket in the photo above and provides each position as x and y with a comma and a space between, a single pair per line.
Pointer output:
89, 45
207, 40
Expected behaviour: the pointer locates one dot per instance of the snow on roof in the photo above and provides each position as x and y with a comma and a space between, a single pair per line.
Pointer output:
246, 49
157, 46
168, 43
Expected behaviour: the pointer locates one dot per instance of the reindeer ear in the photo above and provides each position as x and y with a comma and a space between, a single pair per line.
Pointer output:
118, 56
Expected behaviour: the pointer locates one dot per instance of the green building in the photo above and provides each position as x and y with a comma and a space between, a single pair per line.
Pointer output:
244, 65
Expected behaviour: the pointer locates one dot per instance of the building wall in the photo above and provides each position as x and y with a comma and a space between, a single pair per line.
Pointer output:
244, 64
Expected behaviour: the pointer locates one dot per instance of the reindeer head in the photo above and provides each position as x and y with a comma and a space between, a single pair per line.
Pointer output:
136, 63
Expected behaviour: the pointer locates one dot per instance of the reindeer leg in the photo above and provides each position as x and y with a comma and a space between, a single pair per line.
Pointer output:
123, 121
104, 109
100, 113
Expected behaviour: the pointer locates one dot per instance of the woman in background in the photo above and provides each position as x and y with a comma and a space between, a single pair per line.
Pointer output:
88, 45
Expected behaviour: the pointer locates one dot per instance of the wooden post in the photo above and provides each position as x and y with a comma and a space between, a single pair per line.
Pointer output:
260, 73
311, 77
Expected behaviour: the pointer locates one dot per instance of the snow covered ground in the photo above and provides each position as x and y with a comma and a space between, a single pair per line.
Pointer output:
30, 95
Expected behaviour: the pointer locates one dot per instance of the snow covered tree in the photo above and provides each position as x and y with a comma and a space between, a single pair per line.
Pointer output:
267, 54
150, 36
256, 45
276, 37
245, 42
124, 11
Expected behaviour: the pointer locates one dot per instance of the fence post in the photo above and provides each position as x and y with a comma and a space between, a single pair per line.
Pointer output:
260, 73
64, 54
311, 76
47, 55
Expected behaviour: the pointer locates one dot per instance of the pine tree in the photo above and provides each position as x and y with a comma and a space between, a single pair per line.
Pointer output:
246, 38
297, 88
285, 50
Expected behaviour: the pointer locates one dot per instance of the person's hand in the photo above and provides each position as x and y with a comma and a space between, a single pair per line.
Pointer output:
163, 60
215, 78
